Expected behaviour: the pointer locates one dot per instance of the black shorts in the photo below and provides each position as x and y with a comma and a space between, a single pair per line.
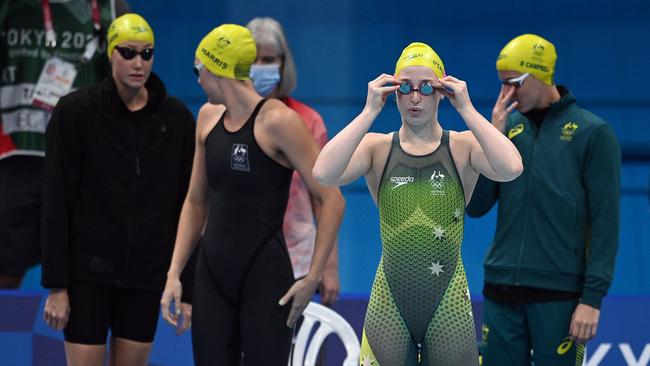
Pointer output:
20, 214
94, 309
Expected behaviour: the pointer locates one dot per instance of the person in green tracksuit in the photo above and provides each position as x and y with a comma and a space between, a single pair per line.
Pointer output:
421, 178
552, 258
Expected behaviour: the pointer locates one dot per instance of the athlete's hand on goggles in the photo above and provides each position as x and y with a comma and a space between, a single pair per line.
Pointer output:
378, 91
456, 91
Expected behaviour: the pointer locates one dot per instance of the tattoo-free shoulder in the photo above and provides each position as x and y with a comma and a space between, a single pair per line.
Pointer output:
277, 117
209, 116
375, 139
462, 138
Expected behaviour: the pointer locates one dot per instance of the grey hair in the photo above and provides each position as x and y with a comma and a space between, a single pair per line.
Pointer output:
268, 32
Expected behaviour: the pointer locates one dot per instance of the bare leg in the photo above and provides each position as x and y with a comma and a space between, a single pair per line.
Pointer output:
125, 352
84, 355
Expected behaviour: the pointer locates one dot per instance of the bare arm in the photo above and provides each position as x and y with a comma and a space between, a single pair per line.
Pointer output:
192, 218
329, 285
490, 152
348, 155
486, 191
292, 139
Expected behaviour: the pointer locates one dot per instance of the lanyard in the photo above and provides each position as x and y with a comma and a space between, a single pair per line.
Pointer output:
50, 35
95, 14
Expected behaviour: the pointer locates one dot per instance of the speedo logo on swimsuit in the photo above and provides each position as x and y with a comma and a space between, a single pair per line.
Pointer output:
400, 181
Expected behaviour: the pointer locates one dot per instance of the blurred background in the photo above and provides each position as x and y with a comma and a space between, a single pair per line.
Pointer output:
339, 45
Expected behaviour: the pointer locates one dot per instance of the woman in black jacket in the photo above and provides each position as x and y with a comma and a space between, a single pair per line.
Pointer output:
119, 157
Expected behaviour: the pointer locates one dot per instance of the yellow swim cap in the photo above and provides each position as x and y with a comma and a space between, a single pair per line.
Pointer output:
228, 51
529, 53
128, 27
420, 54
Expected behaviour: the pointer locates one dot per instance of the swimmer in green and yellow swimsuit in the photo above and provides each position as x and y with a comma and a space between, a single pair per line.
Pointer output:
421, 178
420, 306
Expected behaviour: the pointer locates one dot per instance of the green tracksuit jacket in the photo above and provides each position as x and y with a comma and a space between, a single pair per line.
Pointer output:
558, 223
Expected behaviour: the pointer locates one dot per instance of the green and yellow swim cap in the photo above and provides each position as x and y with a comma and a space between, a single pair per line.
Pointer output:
529, 53
420, 54
128, 27
228, 51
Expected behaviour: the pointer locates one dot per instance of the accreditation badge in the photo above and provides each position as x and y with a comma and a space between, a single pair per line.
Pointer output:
55, 81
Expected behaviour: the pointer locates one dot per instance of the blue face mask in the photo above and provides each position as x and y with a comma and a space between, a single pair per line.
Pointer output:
265, 78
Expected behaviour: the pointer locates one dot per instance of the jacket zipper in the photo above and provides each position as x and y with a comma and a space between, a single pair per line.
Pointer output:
137, 164
526, 218
132, 205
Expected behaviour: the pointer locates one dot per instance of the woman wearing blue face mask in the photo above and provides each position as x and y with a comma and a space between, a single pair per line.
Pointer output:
267, 78
274, 76
274, 72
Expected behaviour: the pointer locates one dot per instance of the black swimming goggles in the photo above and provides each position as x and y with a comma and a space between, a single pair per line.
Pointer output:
129, 53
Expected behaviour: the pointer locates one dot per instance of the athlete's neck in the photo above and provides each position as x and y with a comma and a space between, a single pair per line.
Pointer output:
133, 99
549, 96
420, 140
240, 100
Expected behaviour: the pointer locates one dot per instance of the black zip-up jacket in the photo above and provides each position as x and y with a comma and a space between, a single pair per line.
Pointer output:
114, 184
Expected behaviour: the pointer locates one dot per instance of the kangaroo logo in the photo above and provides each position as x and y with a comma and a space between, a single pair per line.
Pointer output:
437, 182
239, 158
223, 42
568, 130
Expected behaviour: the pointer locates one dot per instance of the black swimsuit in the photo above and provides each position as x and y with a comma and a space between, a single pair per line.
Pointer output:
244, 267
